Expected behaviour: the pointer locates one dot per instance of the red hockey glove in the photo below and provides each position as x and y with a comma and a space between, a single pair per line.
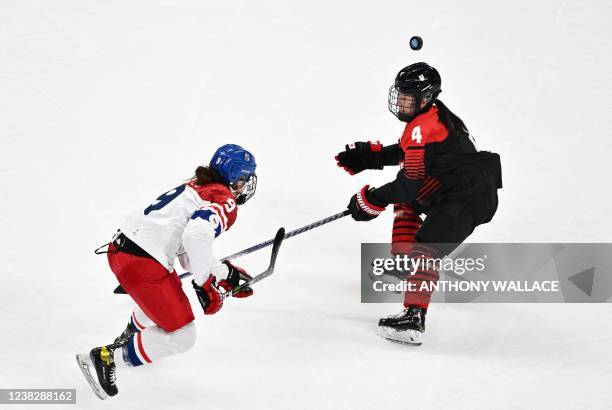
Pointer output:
361, 208
209, 295
234, 276
359, 156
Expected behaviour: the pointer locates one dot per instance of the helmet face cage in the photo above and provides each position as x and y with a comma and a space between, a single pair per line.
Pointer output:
246, 187
406, 105
402, 105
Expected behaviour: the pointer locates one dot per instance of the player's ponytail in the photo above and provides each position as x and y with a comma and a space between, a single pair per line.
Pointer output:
205, 175
449, 119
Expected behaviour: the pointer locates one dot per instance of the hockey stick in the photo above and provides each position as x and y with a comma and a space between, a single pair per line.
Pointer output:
276, 243
288, 235
120, 290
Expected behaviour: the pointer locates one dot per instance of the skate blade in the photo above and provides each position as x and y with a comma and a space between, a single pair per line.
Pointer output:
407, 337
86, 366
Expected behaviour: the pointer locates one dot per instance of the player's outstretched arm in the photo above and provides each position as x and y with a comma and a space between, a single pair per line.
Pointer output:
360, 156
370, 202
401, 190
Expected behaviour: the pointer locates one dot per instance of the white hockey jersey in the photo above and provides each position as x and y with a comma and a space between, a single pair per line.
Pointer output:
187, 217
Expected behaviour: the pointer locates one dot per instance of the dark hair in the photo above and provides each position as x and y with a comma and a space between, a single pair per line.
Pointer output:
205, 175
449, 119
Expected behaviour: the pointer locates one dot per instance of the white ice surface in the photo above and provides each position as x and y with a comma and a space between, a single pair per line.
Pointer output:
104, 105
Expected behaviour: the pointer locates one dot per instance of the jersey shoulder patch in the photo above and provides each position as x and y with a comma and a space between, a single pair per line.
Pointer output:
423, 129
218, 201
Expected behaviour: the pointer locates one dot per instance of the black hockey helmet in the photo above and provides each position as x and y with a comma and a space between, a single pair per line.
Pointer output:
415, 89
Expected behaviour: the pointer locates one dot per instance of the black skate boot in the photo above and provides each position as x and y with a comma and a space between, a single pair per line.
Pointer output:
103, 382
406, 327
129, 330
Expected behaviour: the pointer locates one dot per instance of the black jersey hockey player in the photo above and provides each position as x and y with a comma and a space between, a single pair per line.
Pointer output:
442, 175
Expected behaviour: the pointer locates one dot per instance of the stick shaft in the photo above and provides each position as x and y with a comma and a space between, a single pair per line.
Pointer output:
269, 242
288, 235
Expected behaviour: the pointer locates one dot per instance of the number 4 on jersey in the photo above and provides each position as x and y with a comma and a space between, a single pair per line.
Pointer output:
416, 134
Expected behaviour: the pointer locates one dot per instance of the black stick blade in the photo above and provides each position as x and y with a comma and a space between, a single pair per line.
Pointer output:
278, 240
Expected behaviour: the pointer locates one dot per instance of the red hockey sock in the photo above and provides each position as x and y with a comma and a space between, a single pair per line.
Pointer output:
425, 273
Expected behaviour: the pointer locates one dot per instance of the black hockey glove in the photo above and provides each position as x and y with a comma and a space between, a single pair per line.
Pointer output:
362, 209
359, 156
234, 276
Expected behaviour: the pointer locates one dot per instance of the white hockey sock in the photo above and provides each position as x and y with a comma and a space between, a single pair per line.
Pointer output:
153, 343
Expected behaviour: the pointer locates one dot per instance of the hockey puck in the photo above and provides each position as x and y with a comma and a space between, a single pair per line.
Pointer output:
416, 42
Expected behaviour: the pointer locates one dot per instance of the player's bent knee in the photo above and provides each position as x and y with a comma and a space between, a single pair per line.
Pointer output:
184, 338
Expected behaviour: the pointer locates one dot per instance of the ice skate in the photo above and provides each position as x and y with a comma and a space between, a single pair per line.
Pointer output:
407, 327
103, 380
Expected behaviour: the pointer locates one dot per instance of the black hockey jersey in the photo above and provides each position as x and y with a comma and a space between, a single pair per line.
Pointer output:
438, 161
